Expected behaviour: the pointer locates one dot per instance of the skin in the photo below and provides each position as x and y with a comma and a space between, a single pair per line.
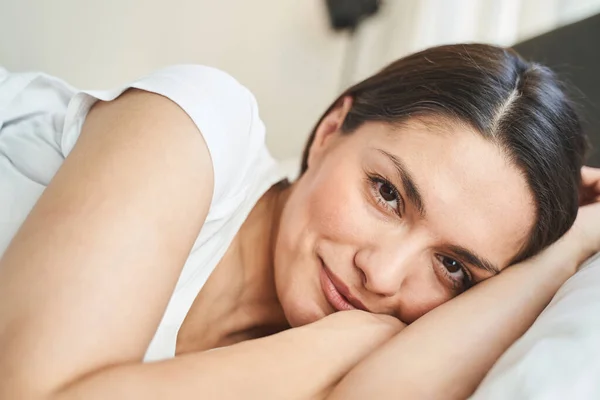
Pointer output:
397, 259
390, 255
113, 305
68, 332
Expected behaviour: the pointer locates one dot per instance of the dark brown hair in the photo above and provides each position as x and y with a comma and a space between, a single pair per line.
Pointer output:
520, 105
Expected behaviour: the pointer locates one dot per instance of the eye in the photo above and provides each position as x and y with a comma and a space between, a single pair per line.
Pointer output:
456, 274
386, 194
451, 265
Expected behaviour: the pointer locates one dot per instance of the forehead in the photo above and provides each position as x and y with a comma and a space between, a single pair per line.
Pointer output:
473, 195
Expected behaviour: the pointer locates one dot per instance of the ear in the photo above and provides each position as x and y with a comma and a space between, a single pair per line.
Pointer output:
328, 129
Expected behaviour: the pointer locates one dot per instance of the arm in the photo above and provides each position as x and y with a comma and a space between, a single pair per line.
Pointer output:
446, 353
84, 283
301, 363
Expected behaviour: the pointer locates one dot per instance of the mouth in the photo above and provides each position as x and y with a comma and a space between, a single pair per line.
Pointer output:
337, 293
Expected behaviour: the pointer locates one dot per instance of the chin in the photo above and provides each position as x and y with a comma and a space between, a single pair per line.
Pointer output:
300, 313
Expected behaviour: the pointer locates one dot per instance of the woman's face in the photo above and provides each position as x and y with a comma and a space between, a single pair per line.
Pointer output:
397, 220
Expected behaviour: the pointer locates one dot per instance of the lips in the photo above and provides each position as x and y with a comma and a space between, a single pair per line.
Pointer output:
337, 293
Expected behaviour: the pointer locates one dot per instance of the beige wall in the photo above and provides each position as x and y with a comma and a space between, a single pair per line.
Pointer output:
281, 49
406, 26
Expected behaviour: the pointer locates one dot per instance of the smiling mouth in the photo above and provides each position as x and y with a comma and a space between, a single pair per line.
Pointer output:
337, 293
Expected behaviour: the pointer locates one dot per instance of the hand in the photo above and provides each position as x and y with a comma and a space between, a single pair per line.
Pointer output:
358, 318
368, 330
344, 339
590, 186
586, 228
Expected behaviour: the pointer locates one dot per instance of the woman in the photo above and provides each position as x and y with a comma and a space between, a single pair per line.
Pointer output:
168, 231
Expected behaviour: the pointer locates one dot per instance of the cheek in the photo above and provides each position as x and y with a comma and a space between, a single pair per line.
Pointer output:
336, 206
323, 210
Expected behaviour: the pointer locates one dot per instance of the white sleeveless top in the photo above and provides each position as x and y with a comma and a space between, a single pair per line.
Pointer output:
40, 121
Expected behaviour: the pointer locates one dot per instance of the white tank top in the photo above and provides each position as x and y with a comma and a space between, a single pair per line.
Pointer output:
40, 122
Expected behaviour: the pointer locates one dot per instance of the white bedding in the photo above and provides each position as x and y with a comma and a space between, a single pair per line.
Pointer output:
559, 356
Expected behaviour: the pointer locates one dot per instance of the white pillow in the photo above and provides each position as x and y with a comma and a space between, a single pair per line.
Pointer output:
559, 356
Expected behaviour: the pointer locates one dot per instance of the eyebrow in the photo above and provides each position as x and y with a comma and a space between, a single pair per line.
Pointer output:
414, 196
410, 187
475, 260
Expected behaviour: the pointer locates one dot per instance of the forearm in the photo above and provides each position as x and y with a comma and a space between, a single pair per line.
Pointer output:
273, 367
302, 363
446, 353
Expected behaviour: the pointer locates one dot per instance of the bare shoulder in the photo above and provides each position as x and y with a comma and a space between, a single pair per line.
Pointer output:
91, 270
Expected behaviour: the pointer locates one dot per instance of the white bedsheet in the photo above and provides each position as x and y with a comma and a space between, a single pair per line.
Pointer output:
559, 356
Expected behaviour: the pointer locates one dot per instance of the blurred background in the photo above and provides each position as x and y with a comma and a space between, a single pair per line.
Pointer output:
287, 52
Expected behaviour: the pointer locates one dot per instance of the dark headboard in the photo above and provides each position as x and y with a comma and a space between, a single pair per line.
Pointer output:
573, 51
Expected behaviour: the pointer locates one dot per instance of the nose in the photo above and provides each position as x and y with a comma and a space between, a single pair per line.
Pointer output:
386, 264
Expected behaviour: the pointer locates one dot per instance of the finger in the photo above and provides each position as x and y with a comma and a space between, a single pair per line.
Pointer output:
590, 199
590, 176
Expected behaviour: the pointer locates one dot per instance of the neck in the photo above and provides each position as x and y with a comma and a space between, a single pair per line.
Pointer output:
258, 238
